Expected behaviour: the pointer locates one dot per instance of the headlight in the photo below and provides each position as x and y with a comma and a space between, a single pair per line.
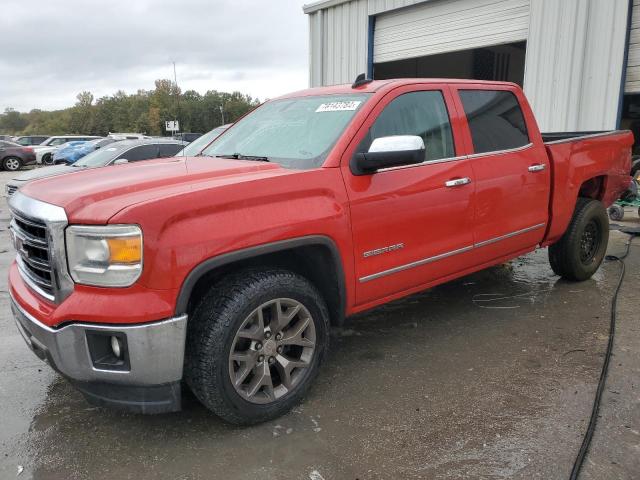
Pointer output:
105, 256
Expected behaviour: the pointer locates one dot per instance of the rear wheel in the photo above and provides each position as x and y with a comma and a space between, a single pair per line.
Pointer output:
255, 344
580, 251
616, 212
12, 164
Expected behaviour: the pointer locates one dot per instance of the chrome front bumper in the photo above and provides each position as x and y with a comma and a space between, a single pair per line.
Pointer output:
155, 354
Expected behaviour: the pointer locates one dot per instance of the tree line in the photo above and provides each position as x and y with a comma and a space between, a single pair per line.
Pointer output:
142, 112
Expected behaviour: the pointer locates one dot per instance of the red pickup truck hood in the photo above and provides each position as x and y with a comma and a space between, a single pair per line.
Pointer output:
95, 195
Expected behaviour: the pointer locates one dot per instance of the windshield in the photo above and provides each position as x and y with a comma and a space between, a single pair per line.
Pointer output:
98, 158
195, 147
294, 132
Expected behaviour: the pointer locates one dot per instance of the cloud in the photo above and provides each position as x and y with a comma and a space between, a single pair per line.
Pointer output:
53, 50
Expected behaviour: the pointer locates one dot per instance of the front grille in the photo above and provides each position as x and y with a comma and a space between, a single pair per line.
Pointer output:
34, 258
11, 189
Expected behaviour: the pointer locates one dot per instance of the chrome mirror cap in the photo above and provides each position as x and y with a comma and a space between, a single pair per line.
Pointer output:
397, 143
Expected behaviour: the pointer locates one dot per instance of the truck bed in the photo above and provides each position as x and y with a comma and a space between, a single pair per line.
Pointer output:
591, 164
552, 137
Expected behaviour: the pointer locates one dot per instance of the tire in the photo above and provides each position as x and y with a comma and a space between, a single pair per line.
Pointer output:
217, 327
11, 164
47, 159
635, 166
616, 212
580, 251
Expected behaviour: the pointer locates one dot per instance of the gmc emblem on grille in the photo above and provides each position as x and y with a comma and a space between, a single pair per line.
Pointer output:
18, 244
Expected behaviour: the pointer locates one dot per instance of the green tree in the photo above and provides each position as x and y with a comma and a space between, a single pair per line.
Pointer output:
142, 112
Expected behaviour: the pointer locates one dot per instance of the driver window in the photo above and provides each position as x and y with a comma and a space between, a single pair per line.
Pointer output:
416, 113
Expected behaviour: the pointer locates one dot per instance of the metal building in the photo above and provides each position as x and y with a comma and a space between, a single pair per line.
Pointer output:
578, 60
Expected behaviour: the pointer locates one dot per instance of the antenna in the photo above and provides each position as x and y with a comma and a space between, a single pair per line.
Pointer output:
361, 80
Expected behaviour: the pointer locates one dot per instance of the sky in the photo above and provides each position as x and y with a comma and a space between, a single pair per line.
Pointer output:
52, 50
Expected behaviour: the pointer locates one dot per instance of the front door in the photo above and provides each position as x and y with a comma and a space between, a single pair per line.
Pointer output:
414, 224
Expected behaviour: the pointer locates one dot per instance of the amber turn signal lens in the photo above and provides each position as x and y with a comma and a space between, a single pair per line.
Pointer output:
125, 249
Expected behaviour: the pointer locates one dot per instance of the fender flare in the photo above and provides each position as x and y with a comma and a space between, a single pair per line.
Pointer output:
210, 264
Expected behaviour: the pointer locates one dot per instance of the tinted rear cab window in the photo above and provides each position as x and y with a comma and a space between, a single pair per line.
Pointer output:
495, 120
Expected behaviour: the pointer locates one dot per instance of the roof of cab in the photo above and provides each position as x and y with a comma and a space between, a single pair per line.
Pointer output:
376, 85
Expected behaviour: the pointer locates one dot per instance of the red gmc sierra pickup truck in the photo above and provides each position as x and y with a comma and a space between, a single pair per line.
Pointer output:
223, 272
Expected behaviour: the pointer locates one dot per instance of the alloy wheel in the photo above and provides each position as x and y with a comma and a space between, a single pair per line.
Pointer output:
12, 164
272, 351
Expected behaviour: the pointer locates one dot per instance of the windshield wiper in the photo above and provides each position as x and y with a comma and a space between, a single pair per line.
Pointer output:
239, 156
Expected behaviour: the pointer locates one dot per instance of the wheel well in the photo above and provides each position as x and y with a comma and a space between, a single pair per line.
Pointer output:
593, 188
317, 263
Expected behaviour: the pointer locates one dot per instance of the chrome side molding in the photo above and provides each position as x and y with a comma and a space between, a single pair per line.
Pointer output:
442, 256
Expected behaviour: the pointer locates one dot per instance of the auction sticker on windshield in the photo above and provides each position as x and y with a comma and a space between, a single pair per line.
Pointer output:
338, 106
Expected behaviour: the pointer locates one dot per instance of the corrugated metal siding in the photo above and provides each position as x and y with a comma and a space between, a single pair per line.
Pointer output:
449, 25
338, 43
632, 84
379, 6
574, 62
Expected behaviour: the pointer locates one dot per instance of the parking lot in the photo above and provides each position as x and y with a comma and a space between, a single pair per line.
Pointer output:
490, 376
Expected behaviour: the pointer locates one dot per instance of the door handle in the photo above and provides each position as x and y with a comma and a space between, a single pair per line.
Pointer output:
537, 168
457, 182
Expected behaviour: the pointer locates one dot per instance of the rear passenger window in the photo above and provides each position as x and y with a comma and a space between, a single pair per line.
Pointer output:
169, 149
417, 113
495, 120
143, 152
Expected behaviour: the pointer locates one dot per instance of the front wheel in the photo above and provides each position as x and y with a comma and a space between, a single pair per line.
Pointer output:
47, 159
255, 344
580, 251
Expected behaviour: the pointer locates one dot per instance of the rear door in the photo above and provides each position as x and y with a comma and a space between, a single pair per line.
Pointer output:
169, 149
510, 167
410, 228
141, 152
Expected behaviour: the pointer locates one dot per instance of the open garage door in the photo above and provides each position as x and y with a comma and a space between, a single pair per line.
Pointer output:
442, 26
498, 62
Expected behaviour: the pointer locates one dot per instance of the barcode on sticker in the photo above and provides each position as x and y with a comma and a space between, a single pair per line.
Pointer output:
338, 106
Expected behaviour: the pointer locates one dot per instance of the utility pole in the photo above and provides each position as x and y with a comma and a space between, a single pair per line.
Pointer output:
175, 81
222, 113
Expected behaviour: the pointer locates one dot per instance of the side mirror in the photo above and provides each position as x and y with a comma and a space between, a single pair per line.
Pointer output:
121, 161
385, 152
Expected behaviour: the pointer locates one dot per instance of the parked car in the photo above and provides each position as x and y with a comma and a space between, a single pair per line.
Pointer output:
8, 138
70, 153
194, 148
45, 151
117, 153
127, 136
67, 147
14, 156
225, 271
187, 137
28, 140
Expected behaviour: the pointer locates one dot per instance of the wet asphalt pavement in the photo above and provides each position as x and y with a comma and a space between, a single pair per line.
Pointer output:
491, 376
